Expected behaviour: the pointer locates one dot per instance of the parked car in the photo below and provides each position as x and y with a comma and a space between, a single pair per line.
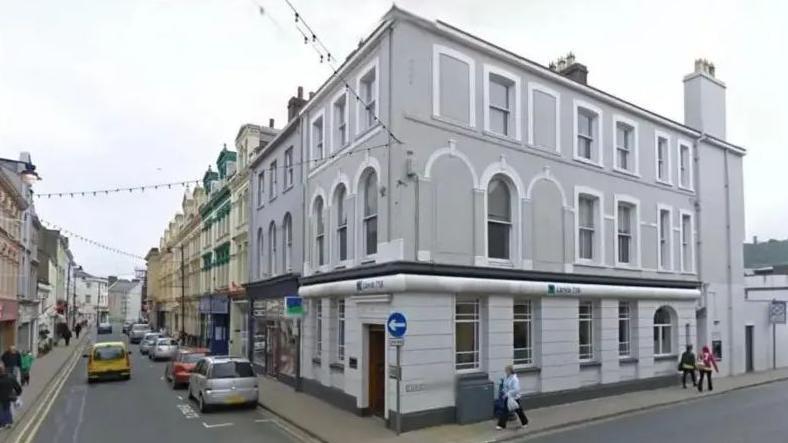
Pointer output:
104, 328
223, 381
138, 331
127, 326
108, 359
148, 341
180, 367
163, 349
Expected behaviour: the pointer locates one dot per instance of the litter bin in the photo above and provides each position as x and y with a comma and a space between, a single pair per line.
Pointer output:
474, 400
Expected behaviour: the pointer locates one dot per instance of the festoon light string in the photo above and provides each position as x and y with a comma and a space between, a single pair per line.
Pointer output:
99, 192
91, 242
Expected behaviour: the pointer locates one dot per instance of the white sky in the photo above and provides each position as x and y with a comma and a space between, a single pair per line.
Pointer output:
117, 93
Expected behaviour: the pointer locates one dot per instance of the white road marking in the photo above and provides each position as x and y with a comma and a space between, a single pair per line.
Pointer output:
162, 378
180, 398
217, 425
264, 420
187, 411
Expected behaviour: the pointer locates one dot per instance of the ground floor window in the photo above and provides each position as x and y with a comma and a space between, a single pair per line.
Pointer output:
624, 329
663, 332
523, 332
317, 309
586, 328
466, 332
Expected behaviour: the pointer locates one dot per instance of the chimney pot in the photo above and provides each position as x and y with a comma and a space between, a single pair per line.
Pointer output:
270, 123
311, 95
300, 92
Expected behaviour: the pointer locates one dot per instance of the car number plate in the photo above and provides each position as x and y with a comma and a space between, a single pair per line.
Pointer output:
234, 399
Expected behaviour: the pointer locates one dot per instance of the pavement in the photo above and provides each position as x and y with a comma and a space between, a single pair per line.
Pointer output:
333, 425
142, 409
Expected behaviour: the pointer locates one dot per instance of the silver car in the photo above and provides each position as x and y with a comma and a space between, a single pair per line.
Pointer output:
148, 340
137, 332
223, 381
163, 349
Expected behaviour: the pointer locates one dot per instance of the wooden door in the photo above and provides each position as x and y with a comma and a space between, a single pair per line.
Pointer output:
377, 369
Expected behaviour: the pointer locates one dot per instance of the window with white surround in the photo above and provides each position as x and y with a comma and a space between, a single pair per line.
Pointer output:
586, 330
341, 330
260, 188
687, 242
588, 133
501, 102
588, 220
287, 239
624, 329
499, 219
523, 332
288, 167
663, 332
627, 225
318, 139
339, 118
341, 222
367, 108
665, 237
662, 154
320, 233
467, 319
685, 164
544, 117
317, 309
625, 140
453, 86
370, 214
260, 253
272, 249
273, 176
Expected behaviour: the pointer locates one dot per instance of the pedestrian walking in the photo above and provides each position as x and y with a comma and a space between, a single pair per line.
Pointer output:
687, 366
78, 328
10, 390
27, 365
12, 361
511, 389
66, 335
706, 363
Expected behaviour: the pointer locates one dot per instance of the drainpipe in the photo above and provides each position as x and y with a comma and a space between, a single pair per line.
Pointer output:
729, 258
391, 128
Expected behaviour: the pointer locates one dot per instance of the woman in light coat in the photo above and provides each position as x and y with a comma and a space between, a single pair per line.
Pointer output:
511, 388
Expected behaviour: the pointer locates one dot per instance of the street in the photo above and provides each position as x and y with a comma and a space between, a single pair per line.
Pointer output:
145, 409
748, 415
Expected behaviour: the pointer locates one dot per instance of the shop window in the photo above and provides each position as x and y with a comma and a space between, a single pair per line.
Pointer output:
663, 332
523, 332
586, 328
466, 333
624, 329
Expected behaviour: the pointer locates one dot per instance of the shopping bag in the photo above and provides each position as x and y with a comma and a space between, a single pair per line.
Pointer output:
512, 404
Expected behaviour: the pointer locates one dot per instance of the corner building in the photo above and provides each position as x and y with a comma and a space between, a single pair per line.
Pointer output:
526, 218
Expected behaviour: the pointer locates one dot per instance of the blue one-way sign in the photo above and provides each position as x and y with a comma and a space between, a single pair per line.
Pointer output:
397, 324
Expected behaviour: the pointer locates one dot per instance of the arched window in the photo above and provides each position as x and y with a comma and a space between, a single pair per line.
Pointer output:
499, 219
272, 249
370, 221
663, 332
287, 240
260, 253
320, 232
341, 212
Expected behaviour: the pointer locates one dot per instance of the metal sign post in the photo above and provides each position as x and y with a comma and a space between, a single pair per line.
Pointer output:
397, 325
777, 314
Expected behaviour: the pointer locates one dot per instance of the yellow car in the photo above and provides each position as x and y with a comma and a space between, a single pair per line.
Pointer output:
108, 360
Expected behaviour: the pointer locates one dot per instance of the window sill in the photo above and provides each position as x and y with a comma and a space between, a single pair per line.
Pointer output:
500, 263
588, 162
452, 122
316, 361
663, 183
626, 172
545, 149
270, 200
527, 370
627, 267
287, 188
502, 137
627, 360
665, 271
589, 263
685, 188
337, 367
590, 364
665, 357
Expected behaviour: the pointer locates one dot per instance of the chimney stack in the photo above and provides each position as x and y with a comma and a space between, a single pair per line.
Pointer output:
568, 67
311, 95
295, 104
755, 239
704, 100
271, 123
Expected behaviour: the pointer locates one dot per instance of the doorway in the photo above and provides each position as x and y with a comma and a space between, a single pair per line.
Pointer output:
749, 332
377, 369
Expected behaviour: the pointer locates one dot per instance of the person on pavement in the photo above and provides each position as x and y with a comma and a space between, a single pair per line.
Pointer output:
687, 366
66, 334
706, 363
10, 390
26, 366
12, 361
511, 388
78, 329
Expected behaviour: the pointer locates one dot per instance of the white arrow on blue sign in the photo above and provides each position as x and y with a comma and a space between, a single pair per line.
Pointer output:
397, 324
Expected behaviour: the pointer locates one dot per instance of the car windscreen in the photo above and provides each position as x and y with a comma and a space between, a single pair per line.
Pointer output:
140, 328
108, 353
192, 357
165, 342
232, 369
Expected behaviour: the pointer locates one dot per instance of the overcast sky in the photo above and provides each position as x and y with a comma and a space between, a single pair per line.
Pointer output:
108, 94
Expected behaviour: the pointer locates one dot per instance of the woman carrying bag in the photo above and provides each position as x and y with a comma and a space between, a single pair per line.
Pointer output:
511, 391
706, 363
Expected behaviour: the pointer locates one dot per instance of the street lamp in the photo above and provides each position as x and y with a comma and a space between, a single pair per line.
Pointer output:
29, 174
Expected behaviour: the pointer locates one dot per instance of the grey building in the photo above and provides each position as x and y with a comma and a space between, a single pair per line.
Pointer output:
515, 215
276, 256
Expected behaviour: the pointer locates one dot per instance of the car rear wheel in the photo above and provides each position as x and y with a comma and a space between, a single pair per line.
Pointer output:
203, 405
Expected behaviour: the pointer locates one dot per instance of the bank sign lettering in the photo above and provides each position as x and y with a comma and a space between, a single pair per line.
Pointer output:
554, 289
367, 285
